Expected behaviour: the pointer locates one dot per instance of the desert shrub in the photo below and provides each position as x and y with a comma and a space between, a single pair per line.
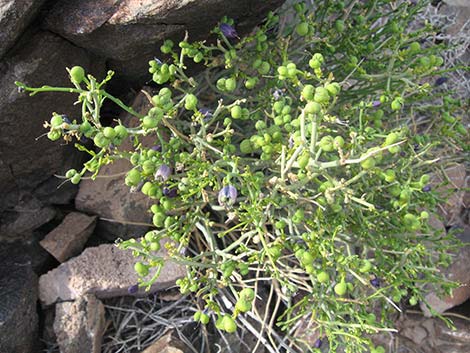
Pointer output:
299, 158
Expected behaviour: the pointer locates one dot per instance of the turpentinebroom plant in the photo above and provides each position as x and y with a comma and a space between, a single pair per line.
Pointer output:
298, 160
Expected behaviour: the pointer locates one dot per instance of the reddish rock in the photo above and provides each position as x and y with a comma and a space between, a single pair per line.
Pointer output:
79, 325
69, 238
105, 271
421, 334
15, 15
125, 213
459, 272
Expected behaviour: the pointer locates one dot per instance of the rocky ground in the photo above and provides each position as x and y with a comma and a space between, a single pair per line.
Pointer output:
56, 242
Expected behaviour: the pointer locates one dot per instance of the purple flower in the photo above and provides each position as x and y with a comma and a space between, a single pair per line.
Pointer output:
66, 119
227, 195
426, 188
169, 192
206, 112
228, 31
157, 148
277, 94
163, 173
375, 282
317, 343
376, 104
133, 289
440, 81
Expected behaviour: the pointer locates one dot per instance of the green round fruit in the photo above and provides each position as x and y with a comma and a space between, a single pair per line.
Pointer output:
133, 177
341, 288
76, 179
77, 74
100, 140
141, 269
302, 29
327, 143
228, 324
109, 132
204, 319
323, 277
70, 173
121, 131
56, 120
312, 108
190, 102
197, 315
230, 84
243, 306
236, 112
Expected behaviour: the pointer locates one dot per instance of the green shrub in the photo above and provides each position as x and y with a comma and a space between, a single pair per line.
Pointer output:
299, 158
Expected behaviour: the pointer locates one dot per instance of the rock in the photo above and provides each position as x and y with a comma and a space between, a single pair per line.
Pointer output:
454, 182
458, 3
25, 217
105, 271
126, 214
167, 344
458, 271
69, 238
15, 15
30, 160
129, 32
18, 290
79, 325
431, 335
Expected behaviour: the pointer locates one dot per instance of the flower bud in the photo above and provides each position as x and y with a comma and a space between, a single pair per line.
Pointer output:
227, 195
163, 173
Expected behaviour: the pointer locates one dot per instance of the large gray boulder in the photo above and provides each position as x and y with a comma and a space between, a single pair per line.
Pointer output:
28, 160
15, 15
129, 32
18, 291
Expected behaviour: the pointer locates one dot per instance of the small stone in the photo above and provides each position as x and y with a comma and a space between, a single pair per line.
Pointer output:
68, 239
79, 325
105, 271
167, 344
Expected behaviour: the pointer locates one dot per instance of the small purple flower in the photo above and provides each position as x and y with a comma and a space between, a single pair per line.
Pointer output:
376, 104
291, 141
133, 289
163, 173
228, 31
426, 188
157, 148
66, 119
206, 112
317, 343
227, 195
83, 139
375, 282
277, 94
440, 81
169, 192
